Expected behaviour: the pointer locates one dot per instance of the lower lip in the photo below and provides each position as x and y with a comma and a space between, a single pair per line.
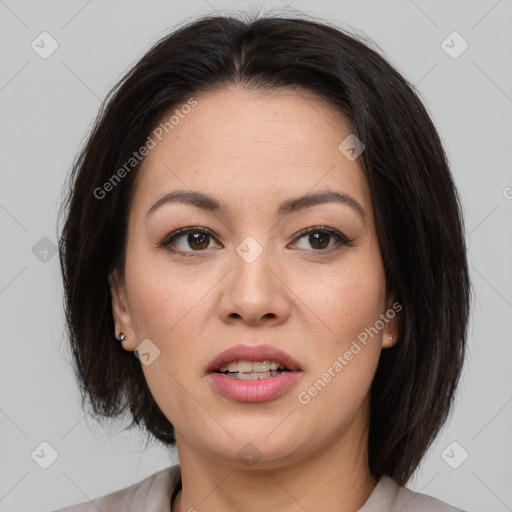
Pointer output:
259, 390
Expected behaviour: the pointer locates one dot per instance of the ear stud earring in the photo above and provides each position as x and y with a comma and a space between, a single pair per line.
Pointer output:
121, 337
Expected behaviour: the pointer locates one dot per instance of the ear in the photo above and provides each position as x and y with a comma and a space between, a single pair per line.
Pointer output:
391, 318
121, 310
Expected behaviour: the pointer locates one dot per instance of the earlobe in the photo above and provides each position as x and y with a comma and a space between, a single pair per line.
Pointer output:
388, 341
390, 334
121, 311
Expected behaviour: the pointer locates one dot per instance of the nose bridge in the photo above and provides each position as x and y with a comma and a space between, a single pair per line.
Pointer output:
254, 291
252, 260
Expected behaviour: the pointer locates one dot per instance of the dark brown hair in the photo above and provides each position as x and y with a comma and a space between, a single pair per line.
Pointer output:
418, 215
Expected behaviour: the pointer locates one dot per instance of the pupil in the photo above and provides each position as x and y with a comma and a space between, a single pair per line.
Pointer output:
317, 238
199, 238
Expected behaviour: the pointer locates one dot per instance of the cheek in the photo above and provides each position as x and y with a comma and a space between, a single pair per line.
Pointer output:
337, 395
349, 301
164, 297
343, 300
168, 310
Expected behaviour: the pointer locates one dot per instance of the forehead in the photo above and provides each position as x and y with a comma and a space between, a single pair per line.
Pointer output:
247, 147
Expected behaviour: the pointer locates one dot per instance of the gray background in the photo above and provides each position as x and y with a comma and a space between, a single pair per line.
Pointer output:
47, 107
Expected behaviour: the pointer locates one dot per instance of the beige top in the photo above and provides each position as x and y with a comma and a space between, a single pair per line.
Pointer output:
153, 494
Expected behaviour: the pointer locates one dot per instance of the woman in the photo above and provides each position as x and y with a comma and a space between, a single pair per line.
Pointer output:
265, 218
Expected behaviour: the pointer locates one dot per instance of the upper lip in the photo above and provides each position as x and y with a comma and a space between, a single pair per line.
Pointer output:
253, 353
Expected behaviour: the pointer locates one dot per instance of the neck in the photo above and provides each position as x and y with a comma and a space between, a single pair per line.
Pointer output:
335, 478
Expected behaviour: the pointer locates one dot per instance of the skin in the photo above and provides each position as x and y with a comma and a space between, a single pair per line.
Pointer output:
252, 151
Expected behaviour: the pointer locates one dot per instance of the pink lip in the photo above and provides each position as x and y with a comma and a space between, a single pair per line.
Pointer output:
253, 390
259, 390
253, 353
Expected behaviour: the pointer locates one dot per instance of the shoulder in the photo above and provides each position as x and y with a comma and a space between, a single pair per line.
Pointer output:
152, 494
388, 496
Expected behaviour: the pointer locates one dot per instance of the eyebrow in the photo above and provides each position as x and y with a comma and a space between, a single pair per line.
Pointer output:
295, 204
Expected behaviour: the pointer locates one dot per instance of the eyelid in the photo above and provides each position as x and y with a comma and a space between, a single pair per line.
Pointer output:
340, 237
327, 229
168, 239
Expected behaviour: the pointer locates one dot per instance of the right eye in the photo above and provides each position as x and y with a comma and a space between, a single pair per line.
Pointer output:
198, 238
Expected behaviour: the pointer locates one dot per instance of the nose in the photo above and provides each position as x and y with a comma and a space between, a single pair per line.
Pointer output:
254, 292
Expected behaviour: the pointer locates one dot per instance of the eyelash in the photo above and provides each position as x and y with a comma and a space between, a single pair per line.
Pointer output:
339, 237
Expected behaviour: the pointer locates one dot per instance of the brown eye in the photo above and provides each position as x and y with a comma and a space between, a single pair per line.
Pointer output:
188, 240
198, 241
320, 237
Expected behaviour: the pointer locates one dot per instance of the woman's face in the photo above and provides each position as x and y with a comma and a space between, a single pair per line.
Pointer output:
254, 279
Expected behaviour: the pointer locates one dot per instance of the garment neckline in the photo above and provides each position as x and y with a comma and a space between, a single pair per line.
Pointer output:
380, 499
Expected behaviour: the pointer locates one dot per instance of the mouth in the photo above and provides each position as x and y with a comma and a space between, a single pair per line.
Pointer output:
257, 373
253, 370
253, 359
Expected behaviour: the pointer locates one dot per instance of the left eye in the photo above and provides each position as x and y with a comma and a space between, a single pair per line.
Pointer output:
321, 236
199, 239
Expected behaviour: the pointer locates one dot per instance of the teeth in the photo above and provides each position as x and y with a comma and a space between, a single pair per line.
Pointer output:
258, 366
251, 367
245, 366
232, 367
254, 375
